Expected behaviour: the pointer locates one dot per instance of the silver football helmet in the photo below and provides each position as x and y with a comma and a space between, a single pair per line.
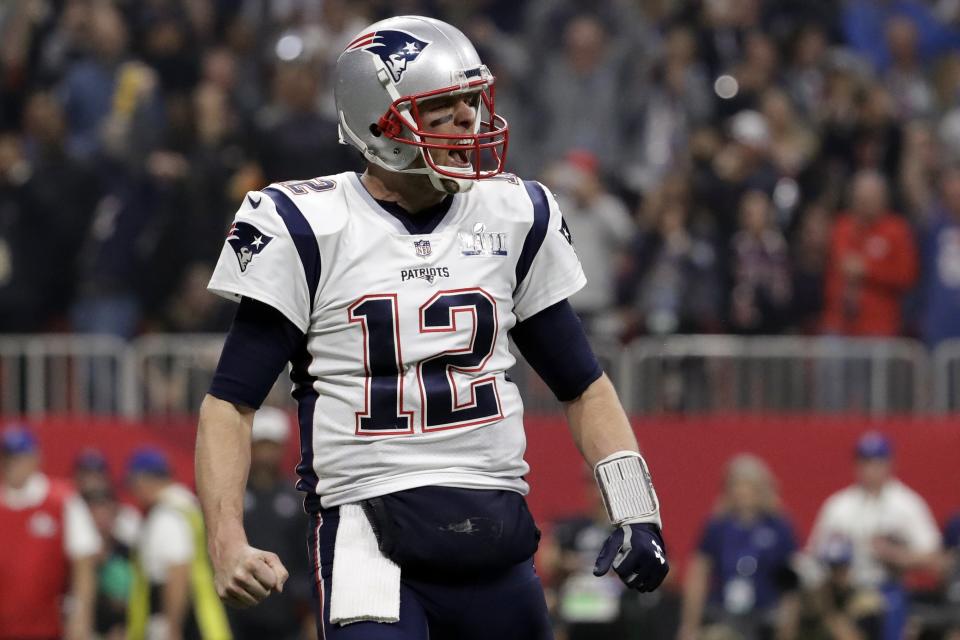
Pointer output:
384, 74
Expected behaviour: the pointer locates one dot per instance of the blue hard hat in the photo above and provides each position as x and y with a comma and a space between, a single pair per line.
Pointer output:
874, 444
18, 439
148, 460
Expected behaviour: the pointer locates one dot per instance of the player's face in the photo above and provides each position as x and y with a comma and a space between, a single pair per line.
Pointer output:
450, 114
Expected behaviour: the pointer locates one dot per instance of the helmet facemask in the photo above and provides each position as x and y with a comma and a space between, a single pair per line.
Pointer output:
484, 149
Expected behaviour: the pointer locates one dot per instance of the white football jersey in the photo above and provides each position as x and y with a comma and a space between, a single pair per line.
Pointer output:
401, 382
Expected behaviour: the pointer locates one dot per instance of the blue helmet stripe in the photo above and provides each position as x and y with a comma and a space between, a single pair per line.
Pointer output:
302, 235
537, 232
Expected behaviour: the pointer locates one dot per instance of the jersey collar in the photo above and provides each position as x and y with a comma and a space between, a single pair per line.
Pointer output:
430, 220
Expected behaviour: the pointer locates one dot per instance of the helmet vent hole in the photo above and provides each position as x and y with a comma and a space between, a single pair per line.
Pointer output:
375, 130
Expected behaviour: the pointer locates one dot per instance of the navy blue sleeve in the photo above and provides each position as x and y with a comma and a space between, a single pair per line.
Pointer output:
259, 345
554, 344
951, 534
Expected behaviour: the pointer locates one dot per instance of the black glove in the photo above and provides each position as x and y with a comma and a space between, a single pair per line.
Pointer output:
637, 553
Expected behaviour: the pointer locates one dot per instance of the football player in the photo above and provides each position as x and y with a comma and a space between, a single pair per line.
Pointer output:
392, 295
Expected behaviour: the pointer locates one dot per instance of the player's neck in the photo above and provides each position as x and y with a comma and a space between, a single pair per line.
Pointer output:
411, 191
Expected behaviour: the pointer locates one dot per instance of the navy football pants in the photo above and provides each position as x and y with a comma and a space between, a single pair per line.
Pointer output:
508, 607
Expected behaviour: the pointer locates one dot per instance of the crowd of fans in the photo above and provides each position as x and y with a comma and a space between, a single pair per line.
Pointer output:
725, 165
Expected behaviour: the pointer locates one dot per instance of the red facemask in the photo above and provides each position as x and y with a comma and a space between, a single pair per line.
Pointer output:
489, 141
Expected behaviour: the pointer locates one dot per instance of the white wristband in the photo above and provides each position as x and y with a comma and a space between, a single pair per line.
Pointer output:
626, 489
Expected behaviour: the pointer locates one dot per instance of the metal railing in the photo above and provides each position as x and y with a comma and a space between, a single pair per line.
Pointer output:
42, 374
164, 375
946, 376
775, 374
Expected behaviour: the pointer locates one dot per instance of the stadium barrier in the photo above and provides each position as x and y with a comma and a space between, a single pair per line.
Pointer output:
811, 457
166, 375
946, 376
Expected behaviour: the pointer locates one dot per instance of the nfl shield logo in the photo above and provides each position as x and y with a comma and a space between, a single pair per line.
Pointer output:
423, 248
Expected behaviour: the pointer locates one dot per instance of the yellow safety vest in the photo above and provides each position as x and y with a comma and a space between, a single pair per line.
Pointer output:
208, 611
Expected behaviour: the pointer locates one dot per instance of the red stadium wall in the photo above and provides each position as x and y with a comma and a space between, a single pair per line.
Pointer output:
811, 457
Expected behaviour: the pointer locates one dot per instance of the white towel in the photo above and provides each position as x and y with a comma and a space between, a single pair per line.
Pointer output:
366, 584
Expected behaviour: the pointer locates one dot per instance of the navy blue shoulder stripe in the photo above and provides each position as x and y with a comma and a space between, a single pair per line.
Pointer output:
538, 231
303, 237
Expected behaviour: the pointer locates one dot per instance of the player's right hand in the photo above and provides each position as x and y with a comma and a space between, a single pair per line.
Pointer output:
244, 576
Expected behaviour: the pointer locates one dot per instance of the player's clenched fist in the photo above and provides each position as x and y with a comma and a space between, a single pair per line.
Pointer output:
637, 554
245, 576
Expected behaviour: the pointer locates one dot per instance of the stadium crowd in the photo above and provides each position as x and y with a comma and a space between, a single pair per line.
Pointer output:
742, 166
724, 165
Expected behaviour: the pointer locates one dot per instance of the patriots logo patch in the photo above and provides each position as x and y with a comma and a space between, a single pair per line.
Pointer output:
247, 241
395, 48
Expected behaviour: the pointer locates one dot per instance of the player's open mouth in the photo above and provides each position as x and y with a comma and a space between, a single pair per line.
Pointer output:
459, 158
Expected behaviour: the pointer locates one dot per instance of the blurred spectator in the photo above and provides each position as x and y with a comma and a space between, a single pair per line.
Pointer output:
293, 139
51, 544
810, 251
91, 475
865, 21
274, 520
670, 283
173, 588
941, 264
906, 79
761, 288
806, 77
889, 525
579, 87
919, 172
837, 607
41, 229
742, 164
114, 566
873, 263
669, 107
110, 99
951, 582
601, 228
740, 578
792, 143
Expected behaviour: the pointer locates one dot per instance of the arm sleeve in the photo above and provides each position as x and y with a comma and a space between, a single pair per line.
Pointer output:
548, 269
80, 538
270, 255
554, 344
951, 533
172, 537
922, 532
259, 344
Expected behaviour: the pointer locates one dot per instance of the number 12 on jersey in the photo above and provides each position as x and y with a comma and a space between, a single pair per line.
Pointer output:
440, 406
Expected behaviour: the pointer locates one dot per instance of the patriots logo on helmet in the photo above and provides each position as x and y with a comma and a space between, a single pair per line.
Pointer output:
397, 49
247, 241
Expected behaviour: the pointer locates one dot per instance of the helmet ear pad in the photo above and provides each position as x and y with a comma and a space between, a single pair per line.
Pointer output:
393, 155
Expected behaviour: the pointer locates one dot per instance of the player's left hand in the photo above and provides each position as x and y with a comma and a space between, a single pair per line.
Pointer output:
637, 553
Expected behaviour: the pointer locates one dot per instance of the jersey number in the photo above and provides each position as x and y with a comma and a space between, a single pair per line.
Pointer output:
442, 407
